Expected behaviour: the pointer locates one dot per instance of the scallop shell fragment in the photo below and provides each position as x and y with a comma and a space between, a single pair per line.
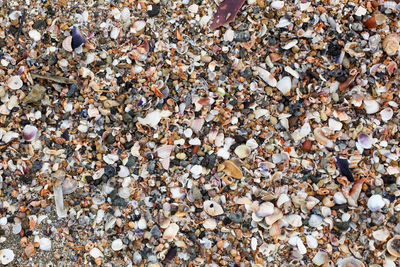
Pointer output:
232, 170
212, 208
393, 246
14, 82
350, 262
267, 77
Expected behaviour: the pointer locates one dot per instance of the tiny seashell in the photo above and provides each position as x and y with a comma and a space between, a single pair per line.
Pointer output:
294, 220
320, 258
375, 203
321, 138
114, 33
391, 44
265, 209
197, 124
267, 77
365, 140
29, 133
393, 246
283, 198
284, 85
14, 82
96, 253
177, 192
125, 14
335, 125
152, 118
290, 44
311, 241
354, 160
371, 106
164, 151
386, 114
242, 151
277, 4
210, 224
315, 220
123, 171
339, 198
196, 170
45, 244
67, 44
77, 40
171, 231
35, 35
117, 244
350, 261
138, 27
232, 170
69, 185
212, 208
29, 250
381, 235
6, 256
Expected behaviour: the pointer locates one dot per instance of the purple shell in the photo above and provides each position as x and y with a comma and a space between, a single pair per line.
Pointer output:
343, 165
77, 38
365, 140
29, 132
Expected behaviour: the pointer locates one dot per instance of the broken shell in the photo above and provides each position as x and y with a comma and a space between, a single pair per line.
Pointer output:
271, 219
45, 244
212, 208
381, 235
393, 246
138, 27
294, 220
371, 106
365, 140
67, 44
35, 35
171, 231
29, 133
117, 245
321, 139
320, 258
265, 209
232, 170
375, 203
391, 44
14, 82
354, 160
267, 77
243, 151
210, 224
350, 262
6, 256
386, 114
284, 85
277, 4
69, 185
96, 253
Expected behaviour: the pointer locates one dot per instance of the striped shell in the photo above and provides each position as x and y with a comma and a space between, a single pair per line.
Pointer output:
354, 160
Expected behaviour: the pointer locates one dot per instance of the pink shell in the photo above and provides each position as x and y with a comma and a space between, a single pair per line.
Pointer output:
29, 133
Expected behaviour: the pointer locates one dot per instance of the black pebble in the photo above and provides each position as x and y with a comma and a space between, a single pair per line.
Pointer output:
155, 10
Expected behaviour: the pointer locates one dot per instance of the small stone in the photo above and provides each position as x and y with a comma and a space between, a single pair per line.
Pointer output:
37, 93
307, 145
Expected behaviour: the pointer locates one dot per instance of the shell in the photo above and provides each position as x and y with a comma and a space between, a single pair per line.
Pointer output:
69, 185
321, 138
14, 82
67, 44
320, 258
354, 160
164, 151
45, 244
375, 203
117, 244
171, 231
35, 35
391, 44
6, 256
243, 151
393, 246
29, 133
277, 4
371, 106
271, 219
381, 235
294, 220
138, 27
284, 85
210, 224
96, 253
232, 170
267, 77
386, 114
365, 140
212, 208
265, 209
350, 262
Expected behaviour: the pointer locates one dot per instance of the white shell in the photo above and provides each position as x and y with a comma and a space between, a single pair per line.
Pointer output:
320, 258
125, 14
267, 77
371, 106
277, 4
284, 85
96, 253
339, 198
35, 35
197, 124
171, 231
294, 220
124, 192
29, 133
212, 208
152, 119
69, 185
242, 151
6, 256
381, 235
315, 220
386, 114
350, 261
114, 33
123, 171
164, 151
283, 198
312, 242
14, 82
375, 203
265, 209
196, 170
335, 125
117, 244
45, 244
210, 224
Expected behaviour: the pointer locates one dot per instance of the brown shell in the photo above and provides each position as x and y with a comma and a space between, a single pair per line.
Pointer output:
232, 170
391, 44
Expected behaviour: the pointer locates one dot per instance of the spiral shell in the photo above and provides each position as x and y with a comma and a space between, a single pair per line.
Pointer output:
391, 44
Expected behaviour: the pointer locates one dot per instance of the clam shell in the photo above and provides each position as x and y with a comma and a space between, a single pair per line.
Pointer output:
284, 85
265, 209
29, 133
212, 208
294, 220
14, 82
210, 224
375, 203
271, 219
350, 262
393, 246
232, 170
171, 231
371, 106
386, 114
117, 244
6, 256
69, 185
45, 244
320, 258
96, 253
365, 140
381, 235
354, 160
138, 27
391, 44
243, 151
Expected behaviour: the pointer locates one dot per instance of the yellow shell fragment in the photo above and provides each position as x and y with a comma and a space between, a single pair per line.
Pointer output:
232, 170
